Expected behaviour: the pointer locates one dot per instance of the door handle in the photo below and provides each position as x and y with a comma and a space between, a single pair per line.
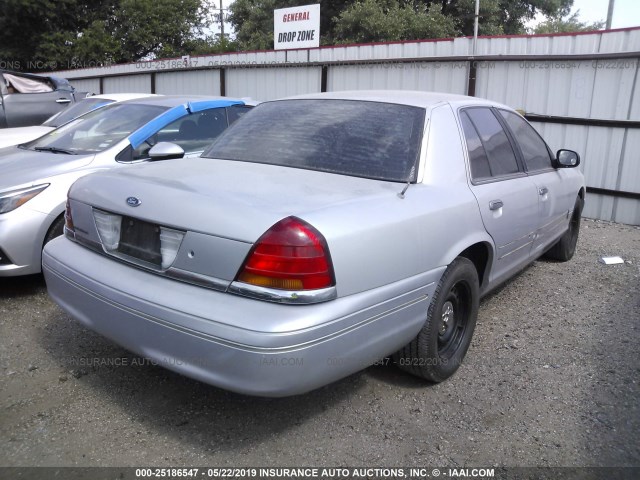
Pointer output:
63, 100
543, 190
495, 204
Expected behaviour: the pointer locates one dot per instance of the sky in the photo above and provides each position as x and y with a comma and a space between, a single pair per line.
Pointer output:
626, 13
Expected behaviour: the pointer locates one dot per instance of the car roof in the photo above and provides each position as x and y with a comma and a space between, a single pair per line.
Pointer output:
176, 100
402, 97
121, 97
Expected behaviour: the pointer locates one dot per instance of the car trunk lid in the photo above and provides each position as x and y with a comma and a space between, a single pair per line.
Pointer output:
202, 216
235, 200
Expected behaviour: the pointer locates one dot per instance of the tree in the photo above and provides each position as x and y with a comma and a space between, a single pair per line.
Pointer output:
571, 23
499, 16
61, 34
365, 20
385, 20
76, 33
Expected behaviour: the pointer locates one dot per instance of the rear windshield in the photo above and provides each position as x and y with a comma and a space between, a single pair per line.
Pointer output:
74, 111
358, 138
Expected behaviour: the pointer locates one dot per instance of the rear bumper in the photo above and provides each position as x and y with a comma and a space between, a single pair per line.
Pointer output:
236, 343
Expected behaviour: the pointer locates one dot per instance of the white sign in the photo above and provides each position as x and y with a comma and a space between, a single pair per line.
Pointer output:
296, 27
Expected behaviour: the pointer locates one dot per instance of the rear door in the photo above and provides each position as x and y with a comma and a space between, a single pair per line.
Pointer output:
553, 200
507, 198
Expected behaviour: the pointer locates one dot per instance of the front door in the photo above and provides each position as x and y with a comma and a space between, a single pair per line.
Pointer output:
507, 198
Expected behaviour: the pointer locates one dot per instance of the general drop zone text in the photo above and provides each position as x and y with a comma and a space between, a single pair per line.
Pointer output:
300, 36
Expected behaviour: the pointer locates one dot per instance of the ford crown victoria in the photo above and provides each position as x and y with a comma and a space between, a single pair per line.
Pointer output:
317, 235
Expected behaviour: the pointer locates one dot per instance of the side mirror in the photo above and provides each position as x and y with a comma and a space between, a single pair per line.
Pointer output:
567, 159
165, 151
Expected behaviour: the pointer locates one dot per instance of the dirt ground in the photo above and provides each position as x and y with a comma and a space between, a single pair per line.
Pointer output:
551, 379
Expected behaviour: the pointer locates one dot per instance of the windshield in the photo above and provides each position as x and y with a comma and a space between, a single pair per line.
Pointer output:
76, 110
97, 130
358, 138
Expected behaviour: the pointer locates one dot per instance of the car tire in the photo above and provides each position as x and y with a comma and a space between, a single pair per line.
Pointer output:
55, 230
438, 350
565, 247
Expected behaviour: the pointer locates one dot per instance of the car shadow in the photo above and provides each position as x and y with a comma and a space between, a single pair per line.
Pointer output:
165, 402
11, 287
387, 372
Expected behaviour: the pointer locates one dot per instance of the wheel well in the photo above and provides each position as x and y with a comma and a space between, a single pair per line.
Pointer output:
581, 194
480, 254
51, 227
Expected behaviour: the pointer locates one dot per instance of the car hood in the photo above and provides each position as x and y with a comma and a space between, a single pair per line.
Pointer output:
236, 200
16, 136
20, 167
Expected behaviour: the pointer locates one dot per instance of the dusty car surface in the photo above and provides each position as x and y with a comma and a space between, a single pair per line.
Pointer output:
27, 99
18, 135
37, 175
318, 235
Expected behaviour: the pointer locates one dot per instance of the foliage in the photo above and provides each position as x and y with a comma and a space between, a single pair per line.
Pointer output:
386, 20
61, 34
570, 23
378, 20
76, 33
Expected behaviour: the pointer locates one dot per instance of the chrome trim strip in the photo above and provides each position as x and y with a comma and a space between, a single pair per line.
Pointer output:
196, 279
515, 250
172, 272
70, 234
95, 246
303, 297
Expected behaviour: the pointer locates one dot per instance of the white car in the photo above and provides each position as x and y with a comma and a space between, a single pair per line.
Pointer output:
18, 135
35, 176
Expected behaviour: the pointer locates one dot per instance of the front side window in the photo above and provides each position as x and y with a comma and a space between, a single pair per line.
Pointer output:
534, 150
98, 130
193, 132
358, 138
500, 155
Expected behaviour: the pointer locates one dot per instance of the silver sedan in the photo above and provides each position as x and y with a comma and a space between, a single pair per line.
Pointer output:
318, 235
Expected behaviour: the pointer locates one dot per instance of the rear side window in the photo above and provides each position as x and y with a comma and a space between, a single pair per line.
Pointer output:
477, 156
357, 138
497, 148
234, 112
534, 150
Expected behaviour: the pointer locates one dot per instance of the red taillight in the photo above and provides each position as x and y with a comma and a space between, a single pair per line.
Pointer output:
68, 220
291, 255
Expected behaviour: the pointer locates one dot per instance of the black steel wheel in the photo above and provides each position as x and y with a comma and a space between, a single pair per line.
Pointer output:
564, 249
438, 350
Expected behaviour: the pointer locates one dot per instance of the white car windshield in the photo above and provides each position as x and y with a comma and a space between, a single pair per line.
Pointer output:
97, 130
74, 111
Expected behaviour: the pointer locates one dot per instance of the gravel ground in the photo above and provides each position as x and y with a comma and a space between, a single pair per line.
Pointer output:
551, 379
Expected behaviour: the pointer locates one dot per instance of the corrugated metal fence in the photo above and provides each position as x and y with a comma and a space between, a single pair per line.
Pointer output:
580, 90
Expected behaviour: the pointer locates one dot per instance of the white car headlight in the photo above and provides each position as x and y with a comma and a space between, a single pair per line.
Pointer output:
14, 198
